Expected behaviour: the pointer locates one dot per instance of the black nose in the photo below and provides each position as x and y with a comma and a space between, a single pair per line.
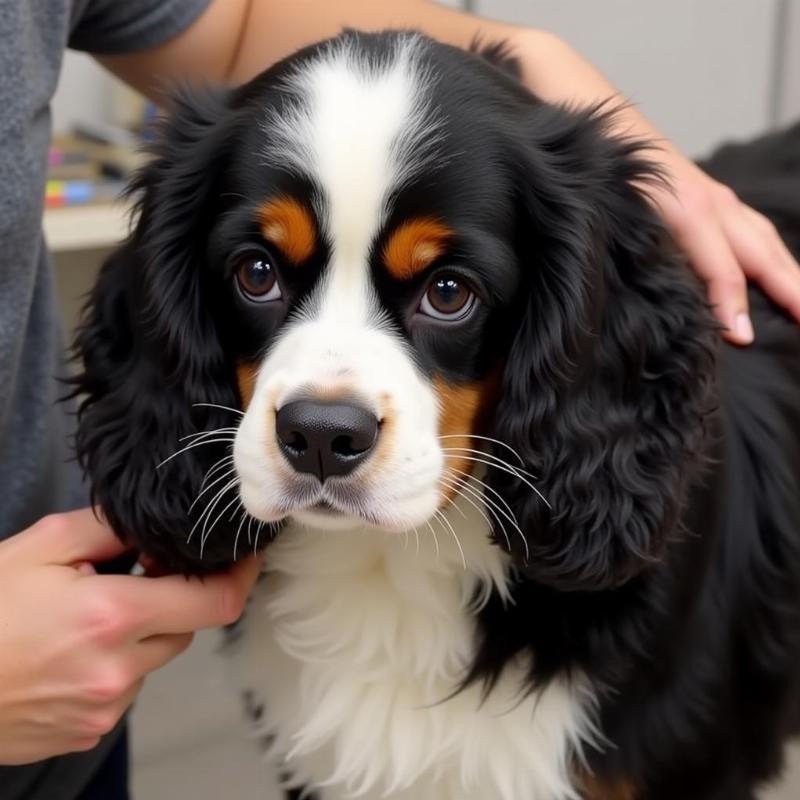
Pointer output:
325, 439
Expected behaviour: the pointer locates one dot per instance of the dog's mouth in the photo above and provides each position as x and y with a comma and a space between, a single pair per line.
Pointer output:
339, 504
332, 501
325, 507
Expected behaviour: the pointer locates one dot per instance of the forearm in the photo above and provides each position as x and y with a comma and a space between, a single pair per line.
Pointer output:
275, 29
236, 39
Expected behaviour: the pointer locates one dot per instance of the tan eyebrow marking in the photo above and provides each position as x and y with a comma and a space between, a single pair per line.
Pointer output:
414, 245
288, 224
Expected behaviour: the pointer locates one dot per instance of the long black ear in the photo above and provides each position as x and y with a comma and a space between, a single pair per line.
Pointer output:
150, 352
608, 381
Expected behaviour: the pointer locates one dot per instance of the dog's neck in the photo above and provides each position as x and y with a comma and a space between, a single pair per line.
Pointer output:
449, 562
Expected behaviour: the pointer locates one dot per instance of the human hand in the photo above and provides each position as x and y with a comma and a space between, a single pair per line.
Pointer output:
75, 646
726, 241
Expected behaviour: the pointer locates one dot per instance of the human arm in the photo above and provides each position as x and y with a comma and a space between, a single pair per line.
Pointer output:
76, 646
726, 241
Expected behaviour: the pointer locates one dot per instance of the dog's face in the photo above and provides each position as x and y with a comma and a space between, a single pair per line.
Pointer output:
396, 263
367, 267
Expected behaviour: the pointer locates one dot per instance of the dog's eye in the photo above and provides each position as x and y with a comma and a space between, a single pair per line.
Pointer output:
448, 298
257, 278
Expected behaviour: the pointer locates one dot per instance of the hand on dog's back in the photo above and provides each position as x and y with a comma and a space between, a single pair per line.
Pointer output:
75, 646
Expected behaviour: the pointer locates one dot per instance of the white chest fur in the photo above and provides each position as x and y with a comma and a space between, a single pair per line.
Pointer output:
354, 642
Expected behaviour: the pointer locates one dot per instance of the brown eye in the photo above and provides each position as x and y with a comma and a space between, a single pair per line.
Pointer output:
448, 298
257, 279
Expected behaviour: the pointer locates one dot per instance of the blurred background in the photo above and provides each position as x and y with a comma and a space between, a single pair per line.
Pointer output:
703, 72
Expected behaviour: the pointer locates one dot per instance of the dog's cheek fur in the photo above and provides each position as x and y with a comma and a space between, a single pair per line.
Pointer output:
463, 412
609, 379
150, 353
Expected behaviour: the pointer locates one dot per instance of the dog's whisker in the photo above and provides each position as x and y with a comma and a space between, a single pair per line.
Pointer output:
450, 501
491, 456
221, 514
217, 405
444, 521
485, 439
468, 476
210, 507
508, 468
483, 509
201, 434
495, 509
191, 447
258, 533
508, 513
209, 510
217, 500
219, 464
226, 474
249, 531
435, 538
457, 485
205, 511
245, 515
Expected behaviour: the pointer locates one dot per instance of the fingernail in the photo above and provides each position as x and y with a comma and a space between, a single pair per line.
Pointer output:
744, 329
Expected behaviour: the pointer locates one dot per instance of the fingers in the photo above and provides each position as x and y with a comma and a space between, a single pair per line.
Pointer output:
715, 261
174, 604
766, 259
156, 651
728, 243
70, 538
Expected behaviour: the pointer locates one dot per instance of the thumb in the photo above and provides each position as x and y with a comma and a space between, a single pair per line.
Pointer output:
72, 537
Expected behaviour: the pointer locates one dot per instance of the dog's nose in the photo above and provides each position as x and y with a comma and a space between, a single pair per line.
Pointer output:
325, 438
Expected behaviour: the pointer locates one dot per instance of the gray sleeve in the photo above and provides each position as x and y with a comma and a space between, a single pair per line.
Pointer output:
124, 26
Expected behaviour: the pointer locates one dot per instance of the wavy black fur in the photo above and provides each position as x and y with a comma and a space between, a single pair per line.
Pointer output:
151, 352
668, 568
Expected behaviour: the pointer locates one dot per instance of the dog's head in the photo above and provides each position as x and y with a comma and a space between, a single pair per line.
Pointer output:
378, 264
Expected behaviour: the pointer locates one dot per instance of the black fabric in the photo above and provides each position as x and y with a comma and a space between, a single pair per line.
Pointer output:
110, 782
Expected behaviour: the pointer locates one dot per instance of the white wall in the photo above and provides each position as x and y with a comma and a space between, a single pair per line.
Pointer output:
700, 69
789, 100
83, 94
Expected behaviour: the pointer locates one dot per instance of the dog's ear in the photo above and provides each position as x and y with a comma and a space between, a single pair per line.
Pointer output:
149, 350
608, 380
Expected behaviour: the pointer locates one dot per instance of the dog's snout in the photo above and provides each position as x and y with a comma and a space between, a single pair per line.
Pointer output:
325, 438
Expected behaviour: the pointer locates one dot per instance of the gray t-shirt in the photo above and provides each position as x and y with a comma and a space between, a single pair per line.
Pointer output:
37, 475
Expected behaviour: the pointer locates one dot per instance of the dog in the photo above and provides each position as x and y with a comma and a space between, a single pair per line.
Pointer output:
531, 528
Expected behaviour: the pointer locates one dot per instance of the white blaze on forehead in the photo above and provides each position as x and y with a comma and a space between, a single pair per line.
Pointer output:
358, 128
